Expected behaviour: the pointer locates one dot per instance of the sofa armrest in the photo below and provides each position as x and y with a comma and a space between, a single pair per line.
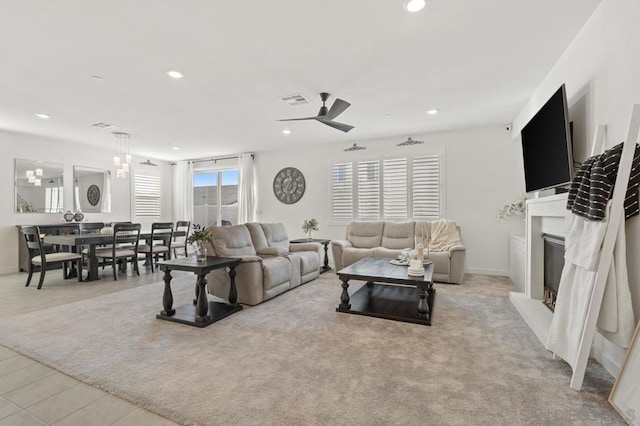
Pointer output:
337, 247
342, 243
304, 247
248, 258
272, 252
457, 247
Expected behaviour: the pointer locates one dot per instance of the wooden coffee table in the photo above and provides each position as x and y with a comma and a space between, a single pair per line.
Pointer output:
202, 312
408, 299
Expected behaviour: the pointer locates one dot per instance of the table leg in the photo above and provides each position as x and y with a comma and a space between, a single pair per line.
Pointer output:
73, 272
326, 258
423, 308
233, 292
344, 297
195, 299
202, 307
167, 297
93, 263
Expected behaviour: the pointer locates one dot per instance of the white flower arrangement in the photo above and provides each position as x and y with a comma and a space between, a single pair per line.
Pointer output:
517, 208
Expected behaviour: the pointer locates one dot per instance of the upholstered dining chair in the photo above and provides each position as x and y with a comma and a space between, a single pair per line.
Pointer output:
180, 243
124, 245
163, 232
38, 257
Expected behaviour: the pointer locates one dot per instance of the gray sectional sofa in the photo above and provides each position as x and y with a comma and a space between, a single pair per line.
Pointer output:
388, 239
270, 264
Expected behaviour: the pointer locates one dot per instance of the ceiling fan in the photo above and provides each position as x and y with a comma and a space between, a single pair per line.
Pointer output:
326, 115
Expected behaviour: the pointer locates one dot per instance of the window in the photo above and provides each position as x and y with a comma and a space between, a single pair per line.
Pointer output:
54, 199
146, 195
390, 188
215, 197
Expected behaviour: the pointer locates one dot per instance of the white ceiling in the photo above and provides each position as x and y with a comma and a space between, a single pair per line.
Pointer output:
477, 61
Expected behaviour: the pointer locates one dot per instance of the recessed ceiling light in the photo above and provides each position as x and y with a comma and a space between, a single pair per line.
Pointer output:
387, 115
413, 5
433, 111
174, 74
43, 116
96, 77
175, 148
286, 131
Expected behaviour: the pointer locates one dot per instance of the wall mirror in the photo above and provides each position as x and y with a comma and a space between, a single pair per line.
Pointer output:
39, 187
91, 190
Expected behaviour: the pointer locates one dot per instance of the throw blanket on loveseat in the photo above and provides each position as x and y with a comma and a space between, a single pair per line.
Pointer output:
444, 235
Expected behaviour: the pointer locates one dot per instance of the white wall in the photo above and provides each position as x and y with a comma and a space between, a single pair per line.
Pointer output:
15, 145
483, 171
600, 69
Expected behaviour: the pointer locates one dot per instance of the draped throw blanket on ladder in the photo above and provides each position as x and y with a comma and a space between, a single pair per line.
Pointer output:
594, 287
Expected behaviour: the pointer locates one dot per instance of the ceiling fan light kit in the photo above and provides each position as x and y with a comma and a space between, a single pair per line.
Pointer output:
327, 115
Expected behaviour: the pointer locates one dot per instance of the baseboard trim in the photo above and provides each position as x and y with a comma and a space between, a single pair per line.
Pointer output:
8, 270
481, 271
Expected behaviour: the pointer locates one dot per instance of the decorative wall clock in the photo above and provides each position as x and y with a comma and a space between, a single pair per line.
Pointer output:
93, 195
289, 185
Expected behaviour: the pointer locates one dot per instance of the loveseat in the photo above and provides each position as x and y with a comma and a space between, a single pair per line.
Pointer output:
270, 264
388, 239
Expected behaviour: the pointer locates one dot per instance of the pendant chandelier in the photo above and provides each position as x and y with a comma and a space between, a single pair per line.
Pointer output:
122, 158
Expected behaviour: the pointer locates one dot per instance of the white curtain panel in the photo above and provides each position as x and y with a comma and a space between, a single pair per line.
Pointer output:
106, 193
247, 195
183, 191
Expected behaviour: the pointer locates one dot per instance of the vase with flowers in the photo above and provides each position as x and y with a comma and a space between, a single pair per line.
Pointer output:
518, 207
309, 226
200, 237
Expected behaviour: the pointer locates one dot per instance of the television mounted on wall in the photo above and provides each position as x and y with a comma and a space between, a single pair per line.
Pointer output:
546, 145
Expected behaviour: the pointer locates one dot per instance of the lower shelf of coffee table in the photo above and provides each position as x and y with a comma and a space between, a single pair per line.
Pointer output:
186, 314
398, 303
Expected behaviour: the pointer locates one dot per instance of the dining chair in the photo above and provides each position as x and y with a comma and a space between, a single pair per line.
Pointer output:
160, 231
180, 243
38, 257
123, 233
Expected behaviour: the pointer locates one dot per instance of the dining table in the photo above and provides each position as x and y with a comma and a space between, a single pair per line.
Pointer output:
92, 240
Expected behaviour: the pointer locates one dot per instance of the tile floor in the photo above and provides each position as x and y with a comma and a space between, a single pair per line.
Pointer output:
34, 394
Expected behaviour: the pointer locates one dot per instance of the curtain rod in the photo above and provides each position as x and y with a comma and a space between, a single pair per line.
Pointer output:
253, 156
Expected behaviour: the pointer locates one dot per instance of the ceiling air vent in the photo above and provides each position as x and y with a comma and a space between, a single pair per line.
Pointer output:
102, 125
295, 100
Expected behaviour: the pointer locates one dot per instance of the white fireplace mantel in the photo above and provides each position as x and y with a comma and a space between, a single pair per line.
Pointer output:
546, 215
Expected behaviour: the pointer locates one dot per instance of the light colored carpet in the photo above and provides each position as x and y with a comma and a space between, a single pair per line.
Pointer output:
294, 360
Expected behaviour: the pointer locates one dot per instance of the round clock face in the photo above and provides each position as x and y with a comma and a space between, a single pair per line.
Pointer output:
288, 185
93, 195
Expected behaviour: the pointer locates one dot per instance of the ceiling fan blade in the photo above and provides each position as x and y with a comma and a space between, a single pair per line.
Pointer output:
337, 108
340, 126
298, 119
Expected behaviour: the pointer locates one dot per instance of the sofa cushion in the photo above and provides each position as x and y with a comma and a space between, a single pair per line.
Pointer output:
353, 254
276, 271
232, 240
365, 234
398, 235
441, 261
387, 253
276, 235
257, 236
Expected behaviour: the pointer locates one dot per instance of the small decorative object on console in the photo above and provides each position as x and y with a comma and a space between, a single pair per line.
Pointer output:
78, 217
517, 207
309, 226
200, 237
68, 216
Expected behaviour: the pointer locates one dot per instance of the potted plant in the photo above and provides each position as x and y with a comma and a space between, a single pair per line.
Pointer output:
200, 237
309, 226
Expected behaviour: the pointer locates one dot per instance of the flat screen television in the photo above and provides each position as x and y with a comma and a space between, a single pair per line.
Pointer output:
546, 145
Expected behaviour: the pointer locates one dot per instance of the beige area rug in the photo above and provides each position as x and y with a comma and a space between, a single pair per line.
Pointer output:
294, 361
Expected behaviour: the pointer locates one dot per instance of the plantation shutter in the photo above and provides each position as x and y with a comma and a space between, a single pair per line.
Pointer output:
426, 187
342, 191
147, 196
369, 189
395, 196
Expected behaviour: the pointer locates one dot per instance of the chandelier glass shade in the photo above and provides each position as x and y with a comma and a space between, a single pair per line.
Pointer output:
122, 152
